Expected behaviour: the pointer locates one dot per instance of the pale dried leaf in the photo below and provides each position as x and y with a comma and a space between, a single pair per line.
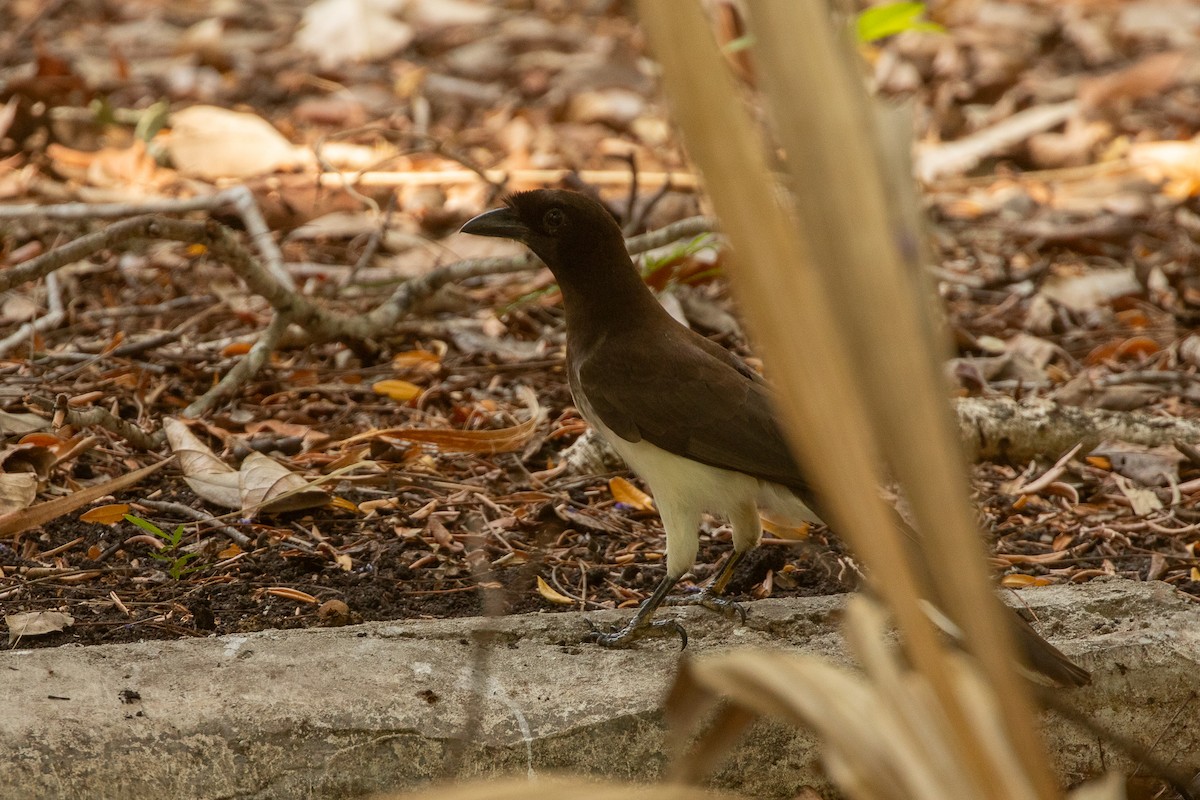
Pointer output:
1141, 501
210, 142
1147, 466
208, 476
17, 308
265, 484
343, 31
18, 490
36, 623
11, 423
1091, 289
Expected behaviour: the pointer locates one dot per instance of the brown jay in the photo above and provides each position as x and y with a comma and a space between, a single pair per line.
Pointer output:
686, 414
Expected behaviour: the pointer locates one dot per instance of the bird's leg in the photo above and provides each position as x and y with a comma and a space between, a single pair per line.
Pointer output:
641, 625
710, 595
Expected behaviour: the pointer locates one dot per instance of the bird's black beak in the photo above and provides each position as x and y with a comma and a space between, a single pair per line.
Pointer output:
501, 222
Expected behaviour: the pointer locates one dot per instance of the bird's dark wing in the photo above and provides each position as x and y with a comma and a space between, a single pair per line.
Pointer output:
690, 397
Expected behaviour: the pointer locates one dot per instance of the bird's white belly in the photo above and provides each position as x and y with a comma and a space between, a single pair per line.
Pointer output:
684, 489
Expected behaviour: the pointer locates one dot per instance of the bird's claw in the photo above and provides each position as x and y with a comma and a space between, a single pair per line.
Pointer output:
713, 602
630, 633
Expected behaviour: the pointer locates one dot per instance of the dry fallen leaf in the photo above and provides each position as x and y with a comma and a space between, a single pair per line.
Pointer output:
400, 391
625, 492
209, 142
265, 484
1019, 581
18, 490
208, 476
11, 423
32, 458
36, 623
342, 31
106, 515
551, 594
1091, 289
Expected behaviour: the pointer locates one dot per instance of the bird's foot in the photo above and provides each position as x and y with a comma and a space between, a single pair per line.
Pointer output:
711, 601
634, 630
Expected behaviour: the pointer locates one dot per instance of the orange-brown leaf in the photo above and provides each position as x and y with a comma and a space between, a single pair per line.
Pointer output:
400, 391
625, 492
1019, 581
236, 349
106, 515
550, 593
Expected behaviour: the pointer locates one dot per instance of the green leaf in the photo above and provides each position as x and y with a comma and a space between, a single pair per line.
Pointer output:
148, 526
889, 19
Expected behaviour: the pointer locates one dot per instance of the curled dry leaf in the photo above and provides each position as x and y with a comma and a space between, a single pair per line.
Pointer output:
449, 440
18, 490
292, 594
550, 593
208, 476
261, 484
267, 485
1141, 501
32, 458
36, 623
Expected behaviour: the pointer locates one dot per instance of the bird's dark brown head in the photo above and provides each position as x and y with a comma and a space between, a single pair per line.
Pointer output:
564, 229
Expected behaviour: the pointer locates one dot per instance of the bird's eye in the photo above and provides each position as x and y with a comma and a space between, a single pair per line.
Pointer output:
553, 219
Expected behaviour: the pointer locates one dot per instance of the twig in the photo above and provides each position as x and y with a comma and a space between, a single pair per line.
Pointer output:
99, 416
289, 306
961, 155
244, 370
52, 319
240, 197
373, 243
684, 182
1050, 475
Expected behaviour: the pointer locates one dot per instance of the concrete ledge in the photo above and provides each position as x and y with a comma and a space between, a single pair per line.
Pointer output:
342, 712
